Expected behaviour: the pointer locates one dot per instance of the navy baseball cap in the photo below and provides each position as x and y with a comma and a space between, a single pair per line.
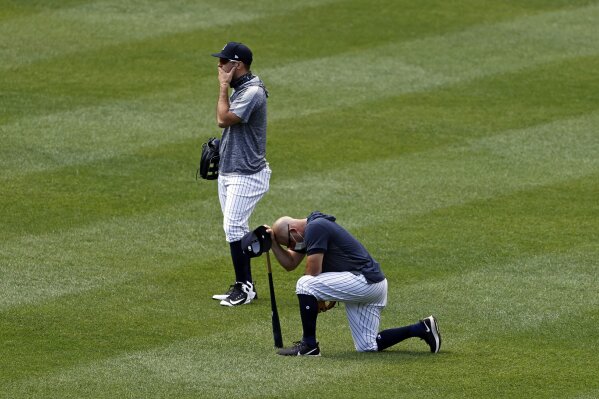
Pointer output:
256, 242
237, 52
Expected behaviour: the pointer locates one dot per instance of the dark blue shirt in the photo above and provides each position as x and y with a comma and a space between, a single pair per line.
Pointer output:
342, 251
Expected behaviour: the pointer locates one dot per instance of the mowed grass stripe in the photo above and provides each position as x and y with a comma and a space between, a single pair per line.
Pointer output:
446, 176
535, 296
423, 64
166, 290
498, 237
520, 296
419, 183
41, 267
90, 133
121, 186
302, 22
558, 218
192, 368
49, 33
417, 122
130, 69
165, 305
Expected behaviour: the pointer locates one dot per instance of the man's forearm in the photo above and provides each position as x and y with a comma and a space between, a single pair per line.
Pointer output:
222, 106
283, 257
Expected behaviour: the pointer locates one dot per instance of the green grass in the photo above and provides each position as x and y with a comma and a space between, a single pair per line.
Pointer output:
457, 140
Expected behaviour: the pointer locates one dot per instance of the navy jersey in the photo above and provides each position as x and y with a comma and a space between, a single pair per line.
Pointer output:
342, 251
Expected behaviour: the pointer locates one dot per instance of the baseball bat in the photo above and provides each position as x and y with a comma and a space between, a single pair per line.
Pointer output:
276, 324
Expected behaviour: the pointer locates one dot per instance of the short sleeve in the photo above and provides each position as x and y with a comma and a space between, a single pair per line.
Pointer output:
317, 238
244, 104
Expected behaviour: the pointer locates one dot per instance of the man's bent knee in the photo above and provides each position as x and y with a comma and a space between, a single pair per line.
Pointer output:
304, 286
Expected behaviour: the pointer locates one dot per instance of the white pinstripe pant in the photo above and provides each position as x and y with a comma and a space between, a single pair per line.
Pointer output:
239, 195
363, 302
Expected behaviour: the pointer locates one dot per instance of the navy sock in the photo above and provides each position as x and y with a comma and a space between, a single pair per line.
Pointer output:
309, 313
392, 336
241, 262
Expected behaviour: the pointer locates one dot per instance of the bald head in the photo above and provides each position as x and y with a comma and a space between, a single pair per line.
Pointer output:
283, 225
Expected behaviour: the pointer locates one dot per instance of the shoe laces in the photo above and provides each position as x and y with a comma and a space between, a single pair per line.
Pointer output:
237, 291
230, 290
298, 344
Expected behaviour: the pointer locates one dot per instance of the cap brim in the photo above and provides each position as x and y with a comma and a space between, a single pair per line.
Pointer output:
219, 55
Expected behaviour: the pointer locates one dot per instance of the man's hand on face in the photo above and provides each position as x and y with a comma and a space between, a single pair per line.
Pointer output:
226, 72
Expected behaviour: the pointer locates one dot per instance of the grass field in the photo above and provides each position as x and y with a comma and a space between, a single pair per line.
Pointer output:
459, 141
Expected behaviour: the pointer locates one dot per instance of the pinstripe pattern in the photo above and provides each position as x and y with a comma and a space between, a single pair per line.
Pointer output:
364, 320
239, 195
363, 302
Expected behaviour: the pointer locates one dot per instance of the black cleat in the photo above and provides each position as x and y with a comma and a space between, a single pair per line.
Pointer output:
300, 349
222, 297
243, 293
432, 336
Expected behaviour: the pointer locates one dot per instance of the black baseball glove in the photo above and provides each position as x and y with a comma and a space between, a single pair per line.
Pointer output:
209, 161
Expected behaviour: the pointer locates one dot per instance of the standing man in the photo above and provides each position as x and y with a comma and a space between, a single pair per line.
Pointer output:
243, 171
339, 268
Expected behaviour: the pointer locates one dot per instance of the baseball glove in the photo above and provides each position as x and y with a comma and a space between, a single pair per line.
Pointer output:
209, 161
323, 306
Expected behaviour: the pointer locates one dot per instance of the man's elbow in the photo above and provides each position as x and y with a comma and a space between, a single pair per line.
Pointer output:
226, 123
313, 272
223, 122
289, 267
226, 120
